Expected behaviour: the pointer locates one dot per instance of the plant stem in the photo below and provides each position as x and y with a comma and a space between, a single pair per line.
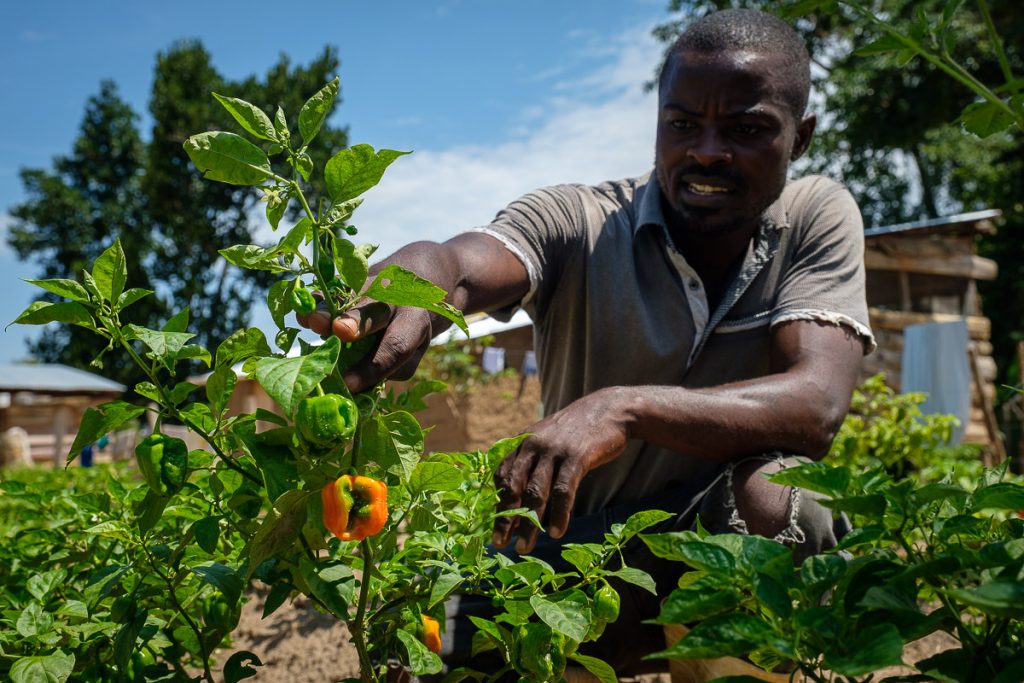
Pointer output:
997, 45
331, 304
358, 625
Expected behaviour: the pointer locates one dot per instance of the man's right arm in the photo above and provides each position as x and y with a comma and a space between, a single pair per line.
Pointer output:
478, 272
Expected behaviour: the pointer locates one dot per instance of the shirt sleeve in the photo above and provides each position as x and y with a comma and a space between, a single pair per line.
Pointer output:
541, 229
825, 281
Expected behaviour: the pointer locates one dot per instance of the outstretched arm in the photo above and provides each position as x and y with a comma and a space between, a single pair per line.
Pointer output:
796, 409
476, 270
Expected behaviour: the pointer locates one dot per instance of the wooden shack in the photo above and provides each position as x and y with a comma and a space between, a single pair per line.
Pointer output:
927, 271
48, 401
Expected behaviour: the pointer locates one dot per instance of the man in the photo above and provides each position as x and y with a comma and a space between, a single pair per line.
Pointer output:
690, 325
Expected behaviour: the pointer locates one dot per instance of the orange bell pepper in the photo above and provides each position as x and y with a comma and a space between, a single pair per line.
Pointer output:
355, 507
430, 633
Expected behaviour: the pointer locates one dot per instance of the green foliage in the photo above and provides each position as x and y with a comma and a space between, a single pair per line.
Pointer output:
456, 363
146, 195
89, 594
888, 429
250, 507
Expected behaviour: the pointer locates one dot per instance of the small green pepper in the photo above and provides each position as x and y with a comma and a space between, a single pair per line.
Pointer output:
606, 604
326, 421
303, 302
539, 652
163, 461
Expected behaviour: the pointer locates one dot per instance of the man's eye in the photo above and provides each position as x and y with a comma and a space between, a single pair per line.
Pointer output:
680, 124
747, 129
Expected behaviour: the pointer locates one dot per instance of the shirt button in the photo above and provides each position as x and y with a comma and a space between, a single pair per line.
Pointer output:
694, 284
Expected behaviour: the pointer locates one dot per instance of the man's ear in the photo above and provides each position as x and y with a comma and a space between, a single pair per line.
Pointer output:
804, 133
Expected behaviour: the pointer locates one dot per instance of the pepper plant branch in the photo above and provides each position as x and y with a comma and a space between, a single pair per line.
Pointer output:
997, 45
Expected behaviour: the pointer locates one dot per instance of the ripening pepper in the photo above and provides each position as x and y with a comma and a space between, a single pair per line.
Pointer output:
302, 300
429, 633
355, 507
163, 461
326, 421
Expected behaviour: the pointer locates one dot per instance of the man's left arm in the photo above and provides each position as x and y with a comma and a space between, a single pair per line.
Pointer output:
796, 409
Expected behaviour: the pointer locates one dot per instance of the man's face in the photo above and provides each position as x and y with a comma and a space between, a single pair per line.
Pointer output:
725, 139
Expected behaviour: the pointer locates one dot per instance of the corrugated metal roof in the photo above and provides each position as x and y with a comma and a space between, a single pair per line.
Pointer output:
53, 378
942, 222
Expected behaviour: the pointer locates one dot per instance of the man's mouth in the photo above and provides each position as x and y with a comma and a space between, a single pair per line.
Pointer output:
704, 189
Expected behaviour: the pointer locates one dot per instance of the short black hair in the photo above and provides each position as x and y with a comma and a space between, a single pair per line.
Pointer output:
746, 29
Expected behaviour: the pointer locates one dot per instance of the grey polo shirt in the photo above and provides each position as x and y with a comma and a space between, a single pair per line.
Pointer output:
614, 303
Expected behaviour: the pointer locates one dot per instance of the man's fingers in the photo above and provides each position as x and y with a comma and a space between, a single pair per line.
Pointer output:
361, 321
510, 480
404, 340
535, 497
563, 497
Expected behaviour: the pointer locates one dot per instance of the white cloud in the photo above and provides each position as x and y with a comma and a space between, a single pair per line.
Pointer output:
599, 127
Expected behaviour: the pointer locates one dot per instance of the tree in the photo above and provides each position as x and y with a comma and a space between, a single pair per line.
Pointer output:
170, 222
889, 127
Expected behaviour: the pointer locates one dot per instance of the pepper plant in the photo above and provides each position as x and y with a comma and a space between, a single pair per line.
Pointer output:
331, 496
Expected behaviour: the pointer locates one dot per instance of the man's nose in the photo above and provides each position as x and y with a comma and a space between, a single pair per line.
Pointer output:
710, 149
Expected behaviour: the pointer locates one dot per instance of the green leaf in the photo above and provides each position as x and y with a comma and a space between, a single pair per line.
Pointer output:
872, 505
240, 666
1002, 496
102, 420
699, 555
249, 117
395, 441
802, 8
601, 670
315, 110
69, 289
270, 451
641, 521
294, 238
352, 262
130, 296
280, 528
400, 287
569, 616
41, 585
728, 635
276, 206
332, 582
163, 346
279, 301
110, 271
686, 605
815, 476
886, 43
281, 127
228, 158
34, 621
444, 585
819, 572
223, 578
870, 649
353, 171
55, 668
207, 532
435, 476
289, 380
637, 577
340, 212
303, 163
43, 312
1002, 597
278, 594
252, 257
219, 387
421, 660
933, 492
242, 345
985, 119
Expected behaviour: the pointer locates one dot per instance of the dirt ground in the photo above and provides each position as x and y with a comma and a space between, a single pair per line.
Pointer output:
299, 645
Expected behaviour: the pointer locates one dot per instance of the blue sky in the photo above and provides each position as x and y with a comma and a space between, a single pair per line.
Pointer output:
495, 98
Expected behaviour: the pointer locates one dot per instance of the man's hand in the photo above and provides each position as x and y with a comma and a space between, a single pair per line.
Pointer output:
544, 473
404, 335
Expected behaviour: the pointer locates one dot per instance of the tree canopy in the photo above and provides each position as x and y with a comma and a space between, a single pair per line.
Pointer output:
172, 224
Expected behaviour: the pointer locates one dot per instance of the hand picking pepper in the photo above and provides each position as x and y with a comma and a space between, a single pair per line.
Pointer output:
355, 507
326, 421
163, 461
